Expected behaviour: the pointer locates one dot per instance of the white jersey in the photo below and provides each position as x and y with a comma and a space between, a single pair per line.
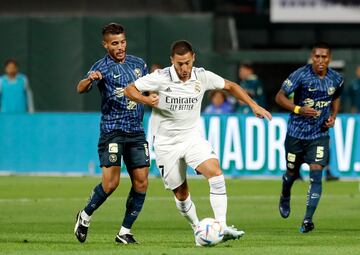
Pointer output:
178, 111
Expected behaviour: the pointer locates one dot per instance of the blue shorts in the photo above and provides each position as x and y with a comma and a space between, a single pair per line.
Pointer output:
298, 151
133, 148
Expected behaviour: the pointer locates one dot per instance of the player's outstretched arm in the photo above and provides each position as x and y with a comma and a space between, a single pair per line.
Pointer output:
85, 84
240, 93
134, 94
282, 100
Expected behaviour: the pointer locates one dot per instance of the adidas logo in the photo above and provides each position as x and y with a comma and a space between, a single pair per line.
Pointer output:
168, 89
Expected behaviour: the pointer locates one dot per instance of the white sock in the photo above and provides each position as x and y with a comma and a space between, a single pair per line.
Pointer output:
124, 231
188, 210
218, 198
85, 216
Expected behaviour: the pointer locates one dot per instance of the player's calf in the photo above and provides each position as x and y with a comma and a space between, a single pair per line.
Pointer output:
314, 193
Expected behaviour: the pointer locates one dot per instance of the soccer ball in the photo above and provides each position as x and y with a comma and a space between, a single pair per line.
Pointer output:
209, 232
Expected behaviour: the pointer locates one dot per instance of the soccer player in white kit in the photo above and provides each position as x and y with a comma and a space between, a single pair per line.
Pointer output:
176, 101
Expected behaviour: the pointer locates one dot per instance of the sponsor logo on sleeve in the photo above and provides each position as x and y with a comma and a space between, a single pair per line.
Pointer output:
331, 91
288, 83
137, 72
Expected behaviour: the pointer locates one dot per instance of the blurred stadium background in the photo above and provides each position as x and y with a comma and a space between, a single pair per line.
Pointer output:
56, 42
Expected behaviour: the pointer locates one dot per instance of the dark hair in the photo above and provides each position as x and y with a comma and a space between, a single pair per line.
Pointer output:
247, 64
181, 48
9, 61
113, 29
321, 45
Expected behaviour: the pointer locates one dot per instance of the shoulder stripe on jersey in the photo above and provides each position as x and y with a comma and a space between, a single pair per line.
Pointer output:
170, 75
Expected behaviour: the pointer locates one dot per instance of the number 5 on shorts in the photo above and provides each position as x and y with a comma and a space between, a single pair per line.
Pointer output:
319, 151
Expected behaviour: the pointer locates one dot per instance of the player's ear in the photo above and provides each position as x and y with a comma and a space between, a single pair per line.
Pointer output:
104, 44
194, 57
172, 60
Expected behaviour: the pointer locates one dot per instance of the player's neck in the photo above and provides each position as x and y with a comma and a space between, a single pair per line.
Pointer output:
322, 74
11, 76
184, 79
121, 61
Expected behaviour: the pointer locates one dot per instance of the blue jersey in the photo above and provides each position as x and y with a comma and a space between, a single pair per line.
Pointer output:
118, 112
312, 91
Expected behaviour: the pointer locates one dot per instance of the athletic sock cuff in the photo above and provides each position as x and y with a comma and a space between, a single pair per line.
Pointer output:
217, 185
315, 176
289, 178
100, 191
184, 206
134, 193
187, 200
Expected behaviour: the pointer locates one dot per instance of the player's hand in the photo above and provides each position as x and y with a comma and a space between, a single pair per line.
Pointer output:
308, 111
329, 123
153, 99
95, 75
261, 112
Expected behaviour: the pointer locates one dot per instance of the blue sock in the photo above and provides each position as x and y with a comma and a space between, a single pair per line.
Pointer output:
314, 194
134, 205
96, 199
287, 182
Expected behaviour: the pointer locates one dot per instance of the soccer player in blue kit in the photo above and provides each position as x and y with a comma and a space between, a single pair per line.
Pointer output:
122, 134
317, 89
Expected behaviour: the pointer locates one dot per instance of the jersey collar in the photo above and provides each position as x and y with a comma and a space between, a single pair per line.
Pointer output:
111, 60
175, 77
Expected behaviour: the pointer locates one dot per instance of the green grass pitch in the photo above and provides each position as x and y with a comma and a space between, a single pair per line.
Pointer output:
37, 216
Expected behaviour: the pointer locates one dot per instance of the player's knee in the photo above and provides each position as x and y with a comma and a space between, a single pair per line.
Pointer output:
215, 172
110, 186
290, 172
218, 172
140, 185
181, 194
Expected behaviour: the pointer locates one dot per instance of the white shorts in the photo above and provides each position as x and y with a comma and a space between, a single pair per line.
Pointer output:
173, 155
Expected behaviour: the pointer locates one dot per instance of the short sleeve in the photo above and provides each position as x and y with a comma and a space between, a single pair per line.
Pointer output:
144, 69
149, 82
339, 89
213, 81
96, 67
292, 82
